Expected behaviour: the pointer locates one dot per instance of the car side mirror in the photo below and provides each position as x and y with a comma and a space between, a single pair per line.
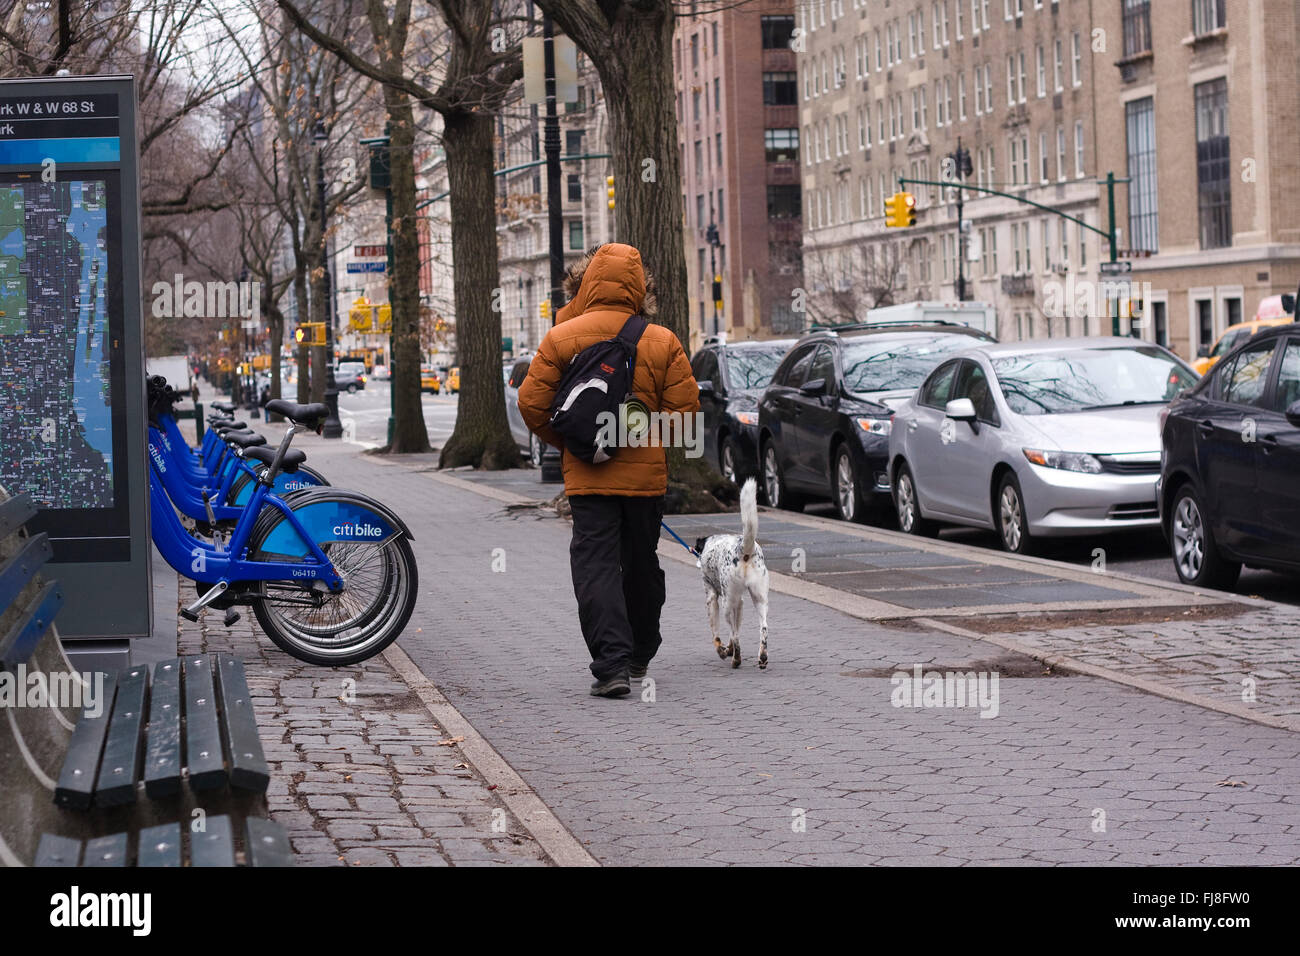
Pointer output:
960, 410
814, 388
706, 388
1203, 352
1293, 414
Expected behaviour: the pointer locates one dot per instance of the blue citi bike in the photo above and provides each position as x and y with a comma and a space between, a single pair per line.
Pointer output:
329, 574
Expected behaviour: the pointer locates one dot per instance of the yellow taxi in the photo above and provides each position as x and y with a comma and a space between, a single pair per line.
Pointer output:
453, 379
429, 381
1271, 311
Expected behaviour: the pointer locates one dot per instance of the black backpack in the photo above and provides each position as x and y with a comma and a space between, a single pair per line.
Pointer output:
597, 381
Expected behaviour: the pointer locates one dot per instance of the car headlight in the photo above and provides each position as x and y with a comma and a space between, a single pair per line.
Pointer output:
876, 426
1065, 460
747, 418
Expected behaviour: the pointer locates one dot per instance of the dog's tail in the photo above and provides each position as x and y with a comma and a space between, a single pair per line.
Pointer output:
749, 516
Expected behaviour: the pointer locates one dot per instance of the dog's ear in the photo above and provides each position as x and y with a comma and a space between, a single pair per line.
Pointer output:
700, 543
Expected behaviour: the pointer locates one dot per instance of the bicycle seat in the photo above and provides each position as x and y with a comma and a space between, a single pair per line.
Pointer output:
292, 458
244, 439
227, 407
230, 426
313, 415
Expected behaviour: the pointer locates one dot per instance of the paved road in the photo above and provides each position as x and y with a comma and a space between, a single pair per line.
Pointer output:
809, 761
366, 415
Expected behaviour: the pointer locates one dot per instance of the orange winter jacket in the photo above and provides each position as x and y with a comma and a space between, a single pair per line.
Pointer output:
613, 288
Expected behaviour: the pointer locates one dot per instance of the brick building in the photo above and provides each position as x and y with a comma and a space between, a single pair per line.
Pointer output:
737, 113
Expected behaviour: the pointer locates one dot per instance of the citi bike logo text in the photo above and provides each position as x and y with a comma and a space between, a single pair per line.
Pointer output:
212, 300
947, 689
635, 426
157, 458
63, 689
350, 530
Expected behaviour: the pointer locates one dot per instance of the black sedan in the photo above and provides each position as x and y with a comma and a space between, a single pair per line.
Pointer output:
1229, 488
825, 420
731, 378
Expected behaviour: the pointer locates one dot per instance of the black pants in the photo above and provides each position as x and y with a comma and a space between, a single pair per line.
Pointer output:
617, 579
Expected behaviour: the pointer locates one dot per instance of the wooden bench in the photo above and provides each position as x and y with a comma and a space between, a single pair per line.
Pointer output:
162, 767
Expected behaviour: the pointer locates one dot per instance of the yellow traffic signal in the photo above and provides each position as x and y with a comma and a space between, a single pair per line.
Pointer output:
900, 211
360, 315
385, 317
609, 189
310, 333
545, 308
301, 335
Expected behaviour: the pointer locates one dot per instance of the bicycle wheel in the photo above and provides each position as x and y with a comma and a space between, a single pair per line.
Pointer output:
380, 579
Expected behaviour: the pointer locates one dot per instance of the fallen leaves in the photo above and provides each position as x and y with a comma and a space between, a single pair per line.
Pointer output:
450, 741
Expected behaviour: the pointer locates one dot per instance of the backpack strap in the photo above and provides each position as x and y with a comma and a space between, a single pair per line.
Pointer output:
632, 331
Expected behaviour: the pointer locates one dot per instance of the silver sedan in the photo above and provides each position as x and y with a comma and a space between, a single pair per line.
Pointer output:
1036, 439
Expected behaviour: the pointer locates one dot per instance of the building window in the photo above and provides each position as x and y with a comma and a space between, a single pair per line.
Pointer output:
1076, 61
1057, 67
1045, 234
1041, 62
783, 202
1232, 312
1078, 149
1213, 178
1207, 15
1060, 153
1042, 157
779, 89
721, 207
572, 142
1204, 321
575, 188
782, 145
717, 142
717, 91
961, 93
575, 235
988, 80
1160, 322
1137, 27
1143, 214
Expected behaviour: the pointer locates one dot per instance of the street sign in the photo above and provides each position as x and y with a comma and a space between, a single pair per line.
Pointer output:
72, 422
566, 70
369, 252
1116, 268
367, 266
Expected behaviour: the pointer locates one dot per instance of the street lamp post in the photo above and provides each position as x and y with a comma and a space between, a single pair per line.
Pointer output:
333, 428
961, 168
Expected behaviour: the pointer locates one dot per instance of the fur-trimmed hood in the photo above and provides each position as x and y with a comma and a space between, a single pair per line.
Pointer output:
608, 277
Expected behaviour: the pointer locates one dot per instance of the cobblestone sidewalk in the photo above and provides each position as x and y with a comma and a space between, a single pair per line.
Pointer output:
360, 772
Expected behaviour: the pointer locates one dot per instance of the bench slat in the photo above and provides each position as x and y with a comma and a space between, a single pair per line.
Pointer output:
203, 752
119, 771
22, 567
160, 846
14, 513
215, 846
81, 765
16, 647
162, 773
106, 851
268, 844
248, 767
56, 850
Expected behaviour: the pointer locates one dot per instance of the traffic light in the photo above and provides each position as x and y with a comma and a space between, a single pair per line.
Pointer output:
900, 211
545, 308
717, 291
360, 316
309, 333
609, 190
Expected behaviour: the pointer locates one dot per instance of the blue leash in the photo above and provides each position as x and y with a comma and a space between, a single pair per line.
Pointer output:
679, 540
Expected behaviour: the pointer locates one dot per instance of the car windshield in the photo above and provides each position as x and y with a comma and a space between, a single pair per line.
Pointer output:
1080, 380
1229, 342
884, 363
754, 366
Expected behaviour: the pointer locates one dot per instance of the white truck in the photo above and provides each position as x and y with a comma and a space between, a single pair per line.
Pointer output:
975, 315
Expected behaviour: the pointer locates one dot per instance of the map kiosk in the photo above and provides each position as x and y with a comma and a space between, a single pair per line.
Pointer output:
72, 397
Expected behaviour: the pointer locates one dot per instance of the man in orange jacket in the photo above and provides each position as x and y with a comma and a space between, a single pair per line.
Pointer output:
617, 505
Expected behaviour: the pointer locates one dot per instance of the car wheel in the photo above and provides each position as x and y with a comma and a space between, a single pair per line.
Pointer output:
352, 389
1010, 519
908, 506
1196, 557
728, 456
774, 482
848, 495
536, 448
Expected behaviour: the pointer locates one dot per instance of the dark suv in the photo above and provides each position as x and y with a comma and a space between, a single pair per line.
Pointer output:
732, 377
825, 420
1229, 489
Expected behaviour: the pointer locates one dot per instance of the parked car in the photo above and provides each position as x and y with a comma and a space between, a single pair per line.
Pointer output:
529, 444
825, 419
1036, 439
453, 380
350, 377
429, 381
381, 373
1230, 480
732, 377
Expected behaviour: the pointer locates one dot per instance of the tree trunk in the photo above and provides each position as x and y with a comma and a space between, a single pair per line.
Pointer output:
482, 435
275, 321
304, 357
409, 431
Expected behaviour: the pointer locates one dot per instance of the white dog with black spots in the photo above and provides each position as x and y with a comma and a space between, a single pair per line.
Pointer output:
733, 566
